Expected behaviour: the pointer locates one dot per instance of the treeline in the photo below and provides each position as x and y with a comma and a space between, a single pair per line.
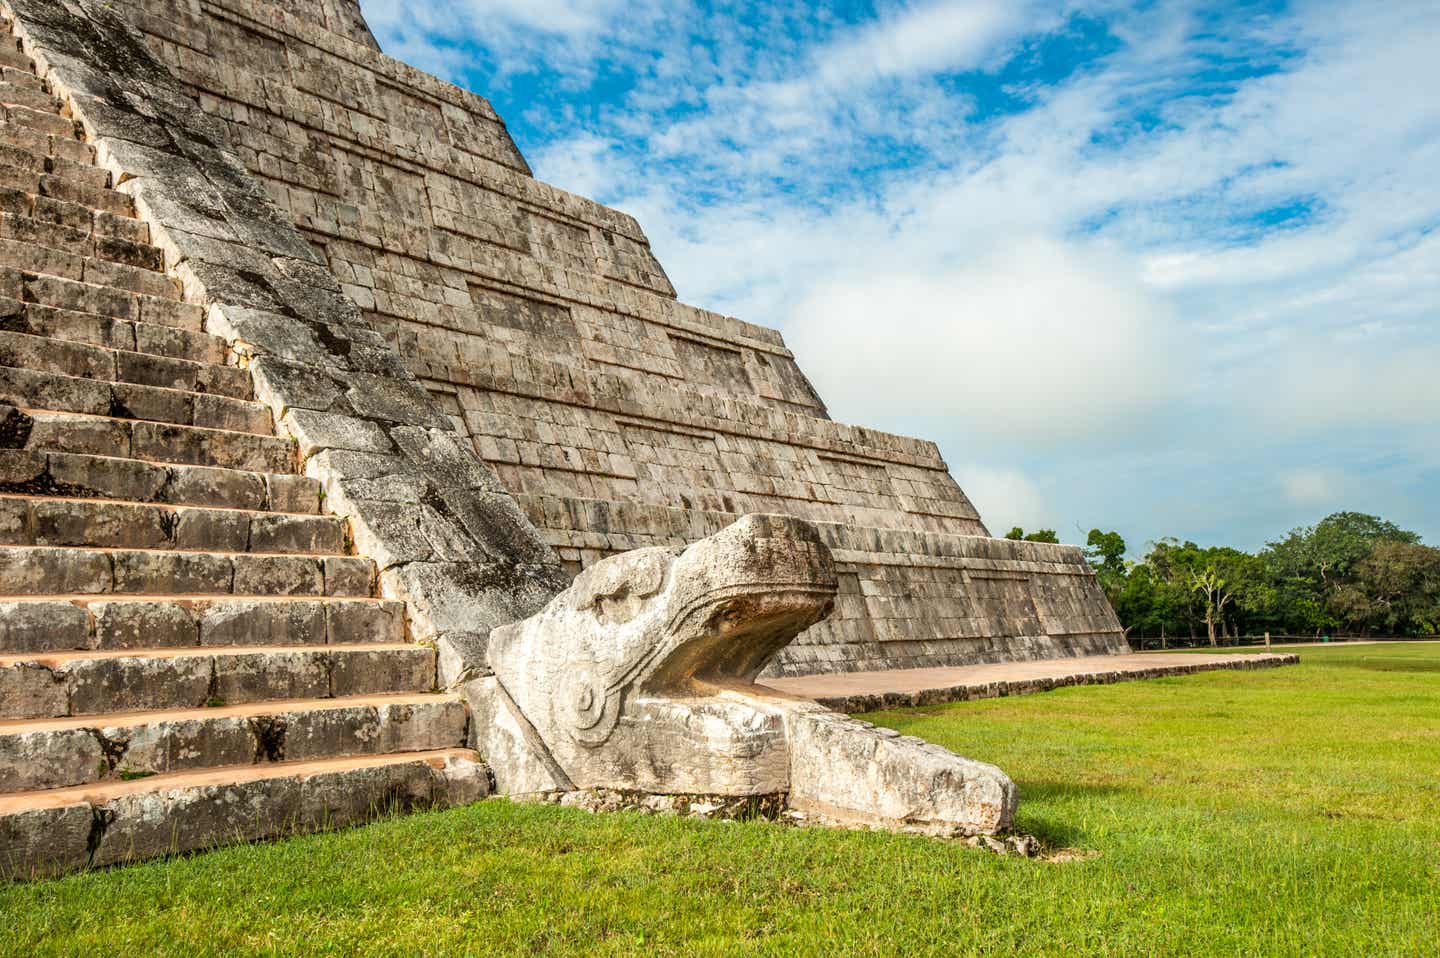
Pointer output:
1350, 573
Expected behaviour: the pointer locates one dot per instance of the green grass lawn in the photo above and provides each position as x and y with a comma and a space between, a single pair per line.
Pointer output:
1286, 812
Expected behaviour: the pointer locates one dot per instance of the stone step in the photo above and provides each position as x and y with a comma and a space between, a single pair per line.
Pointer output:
27, 95
79, 266
61, 830
77, 397
63, 753
46, 144
54, 212
32, 319
100, 199
40, 121
76, 475
148, 439
24, 77
108, 624
77, 242
84, 361
62, 571
111, 524
61, 684
83, 297
80, 165
10, 56
62, 179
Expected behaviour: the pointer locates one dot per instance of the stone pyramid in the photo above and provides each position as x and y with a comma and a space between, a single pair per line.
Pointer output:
615, 415
306, 385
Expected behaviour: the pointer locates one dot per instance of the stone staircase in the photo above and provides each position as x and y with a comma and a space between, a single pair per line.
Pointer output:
188, 653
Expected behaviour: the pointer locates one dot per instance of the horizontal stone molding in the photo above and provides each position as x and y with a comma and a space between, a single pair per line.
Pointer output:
699, 412
700, 326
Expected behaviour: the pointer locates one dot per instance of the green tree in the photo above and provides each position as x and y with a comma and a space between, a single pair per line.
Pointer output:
1106, 552
1018, 534
1396, 589
1313, 569
1217, 594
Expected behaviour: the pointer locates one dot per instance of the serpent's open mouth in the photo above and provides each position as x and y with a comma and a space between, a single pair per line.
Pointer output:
732, 632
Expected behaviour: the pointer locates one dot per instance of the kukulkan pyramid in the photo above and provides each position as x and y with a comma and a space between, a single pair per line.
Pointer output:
313, 398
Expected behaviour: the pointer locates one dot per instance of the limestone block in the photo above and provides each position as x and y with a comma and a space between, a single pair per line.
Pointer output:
258, 677
849, 771
287, 493
506, 742
256, 623
314, 535
285, 384
213, 529
139, 573
394, 400
45, 841
445, 459
262, 333
446, 597
29, 571
277, 575
395, 533
135, 684
320, 431
43, 627
156, 748
48, 759
366, 476
215, 486
144, 625
365, 672
166, 821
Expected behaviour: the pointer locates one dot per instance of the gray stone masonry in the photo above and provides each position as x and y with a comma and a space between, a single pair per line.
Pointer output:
550, 338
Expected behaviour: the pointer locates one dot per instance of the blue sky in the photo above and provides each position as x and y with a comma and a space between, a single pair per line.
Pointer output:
1169, 268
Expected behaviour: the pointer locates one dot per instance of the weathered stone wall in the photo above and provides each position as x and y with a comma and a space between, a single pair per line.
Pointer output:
543, 326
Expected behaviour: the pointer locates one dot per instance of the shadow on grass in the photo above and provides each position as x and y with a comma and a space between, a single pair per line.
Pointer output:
1059, 834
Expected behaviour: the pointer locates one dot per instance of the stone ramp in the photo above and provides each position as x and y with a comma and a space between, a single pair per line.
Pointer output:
190, 654
902, 688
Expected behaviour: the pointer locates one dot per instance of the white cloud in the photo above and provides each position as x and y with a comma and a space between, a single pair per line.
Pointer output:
452, 17
1036, 340
1311, 488
1005, 498
935, 36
